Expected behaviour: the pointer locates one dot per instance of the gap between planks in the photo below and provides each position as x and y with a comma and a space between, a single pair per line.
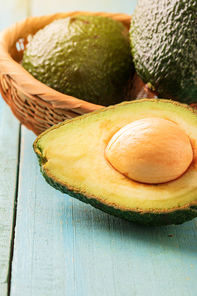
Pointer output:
14, 217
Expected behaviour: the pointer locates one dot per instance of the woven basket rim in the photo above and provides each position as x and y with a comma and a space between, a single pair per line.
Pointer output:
25, 81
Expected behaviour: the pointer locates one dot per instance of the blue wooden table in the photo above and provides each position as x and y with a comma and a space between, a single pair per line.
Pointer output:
54, 245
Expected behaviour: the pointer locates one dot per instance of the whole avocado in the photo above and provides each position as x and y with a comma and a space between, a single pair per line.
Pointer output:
88, 57
163, 38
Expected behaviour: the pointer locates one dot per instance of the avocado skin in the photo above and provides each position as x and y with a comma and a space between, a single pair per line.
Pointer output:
146, 219
88, 57
163, 38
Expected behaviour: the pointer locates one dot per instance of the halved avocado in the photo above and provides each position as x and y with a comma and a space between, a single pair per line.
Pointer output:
73, 159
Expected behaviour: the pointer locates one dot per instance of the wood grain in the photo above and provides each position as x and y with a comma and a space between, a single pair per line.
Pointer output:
9, 141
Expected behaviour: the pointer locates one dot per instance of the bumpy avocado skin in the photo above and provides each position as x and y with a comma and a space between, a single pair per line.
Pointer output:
163, 38
88, 57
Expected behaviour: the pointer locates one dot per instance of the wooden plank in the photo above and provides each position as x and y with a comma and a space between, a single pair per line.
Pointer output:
10, 12
65, 247
9, 141
49, 7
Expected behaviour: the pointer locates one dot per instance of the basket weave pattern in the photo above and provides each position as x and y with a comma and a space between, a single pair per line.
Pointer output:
36, 105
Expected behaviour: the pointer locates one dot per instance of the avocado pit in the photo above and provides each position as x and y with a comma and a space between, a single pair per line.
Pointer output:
150, 150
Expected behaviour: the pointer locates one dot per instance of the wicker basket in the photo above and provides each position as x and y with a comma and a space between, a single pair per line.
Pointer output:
36, 105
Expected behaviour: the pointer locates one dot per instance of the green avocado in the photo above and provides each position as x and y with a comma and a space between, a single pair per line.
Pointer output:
72, 158
163, 38
88, 57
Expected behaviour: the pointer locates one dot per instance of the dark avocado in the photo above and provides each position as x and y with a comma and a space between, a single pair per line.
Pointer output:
163, 38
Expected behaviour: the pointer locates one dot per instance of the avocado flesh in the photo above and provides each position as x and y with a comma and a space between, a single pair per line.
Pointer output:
88, 57
72, 159
163, 41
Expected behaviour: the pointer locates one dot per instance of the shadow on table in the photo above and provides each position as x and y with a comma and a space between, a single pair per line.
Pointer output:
87, 220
